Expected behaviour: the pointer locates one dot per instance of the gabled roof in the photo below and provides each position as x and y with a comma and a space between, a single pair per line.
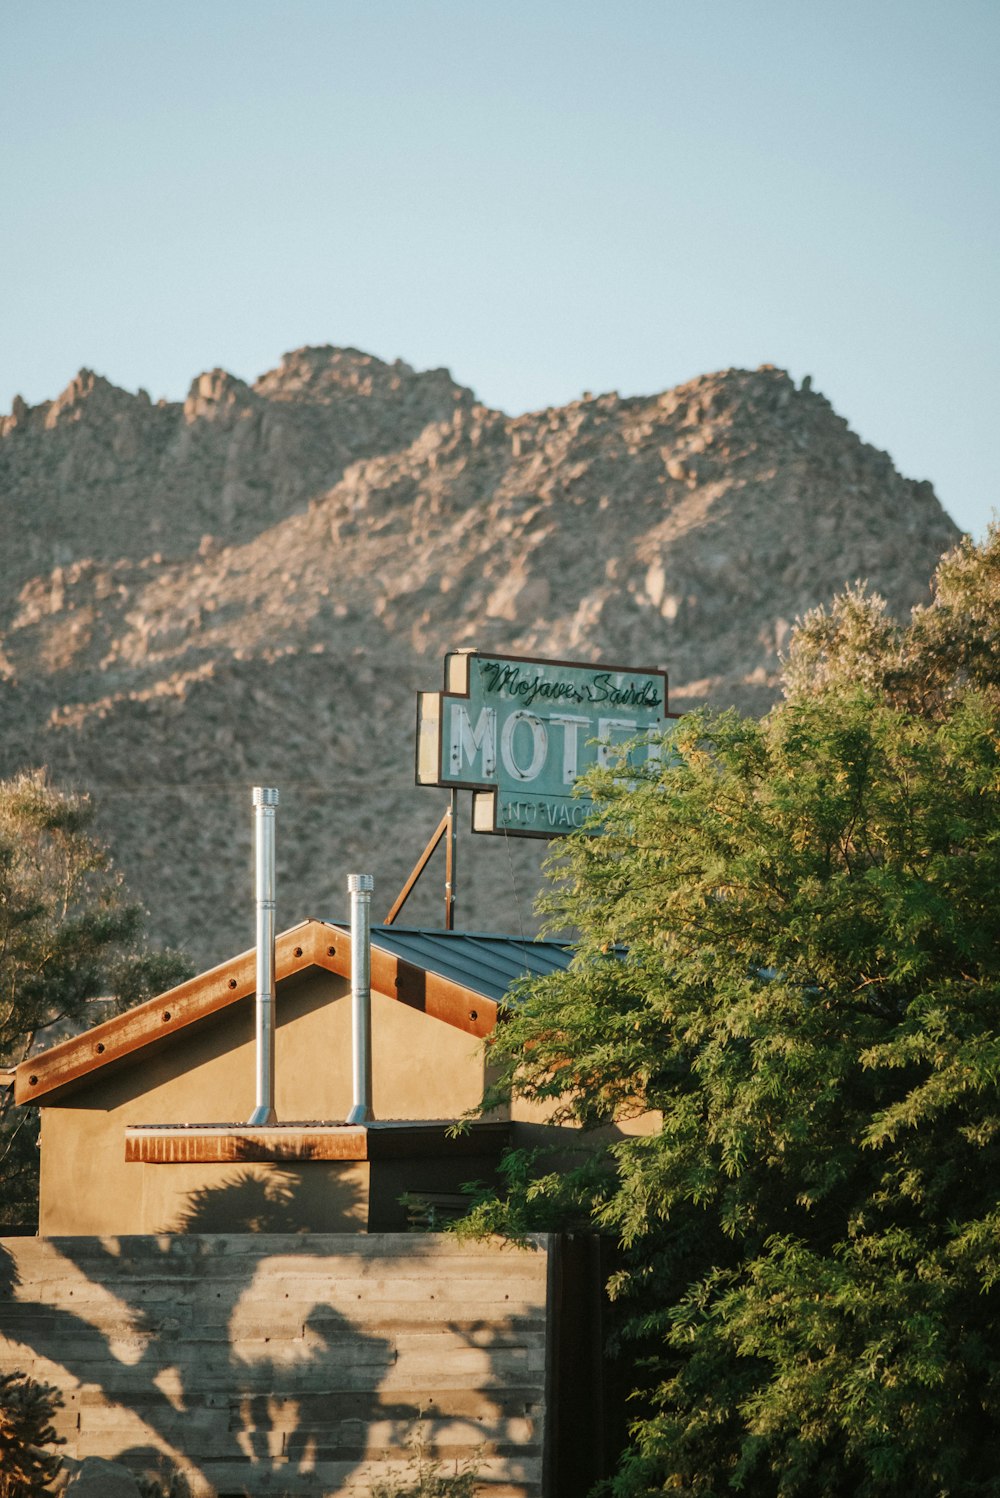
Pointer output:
451, 976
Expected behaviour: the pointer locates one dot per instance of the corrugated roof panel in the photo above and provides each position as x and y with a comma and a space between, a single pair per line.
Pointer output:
487, 963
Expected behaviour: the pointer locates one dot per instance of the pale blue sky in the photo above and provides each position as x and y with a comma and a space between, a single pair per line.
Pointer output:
547, 197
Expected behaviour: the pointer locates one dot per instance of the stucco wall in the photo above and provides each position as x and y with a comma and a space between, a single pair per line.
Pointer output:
422, 1069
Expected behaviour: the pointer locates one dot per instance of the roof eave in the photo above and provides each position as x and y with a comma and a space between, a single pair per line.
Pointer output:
311, 944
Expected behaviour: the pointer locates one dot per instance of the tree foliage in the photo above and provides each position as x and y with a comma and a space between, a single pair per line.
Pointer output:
68, 934
788, 952
949, 645
26, 1410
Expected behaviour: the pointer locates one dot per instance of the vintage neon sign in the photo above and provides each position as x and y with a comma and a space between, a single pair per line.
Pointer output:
519, 732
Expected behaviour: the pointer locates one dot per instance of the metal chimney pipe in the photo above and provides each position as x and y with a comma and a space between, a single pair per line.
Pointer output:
265, 804
361, 886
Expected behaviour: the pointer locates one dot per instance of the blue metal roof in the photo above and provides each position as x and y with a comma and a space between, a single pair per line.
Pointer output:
483, 961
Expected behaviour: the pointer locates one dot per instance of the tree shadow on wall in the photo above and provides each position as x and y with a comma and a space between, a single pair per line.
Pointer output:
251, 1203
226, 1353
9, 1276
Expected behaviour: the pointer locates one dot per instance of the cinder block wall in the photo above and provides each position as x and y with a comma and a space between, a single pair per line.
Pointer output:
276, 1364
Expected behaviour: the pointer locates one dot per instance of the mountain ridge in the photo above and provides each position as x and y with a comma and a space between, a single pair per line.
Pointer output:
192, 589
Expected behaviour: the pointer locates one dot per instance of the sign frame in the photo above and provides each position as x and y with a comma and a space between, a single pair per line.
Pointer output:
488, 795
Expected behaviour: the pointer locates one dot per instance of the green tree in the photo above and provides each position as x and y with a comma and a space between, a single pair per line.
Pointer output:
949, 645
788, 951
68, 934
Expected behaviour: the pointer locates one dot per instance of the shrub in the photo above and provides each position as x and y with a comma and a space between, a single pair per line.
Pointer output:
26, 1408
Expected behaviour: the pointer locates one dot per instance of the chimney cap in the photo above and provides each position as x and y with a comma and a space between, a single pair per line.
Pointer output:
265, 795
360, 883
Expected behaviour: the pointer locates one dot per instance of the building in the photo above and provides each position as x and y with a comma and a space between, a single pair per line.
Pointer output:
143, 1116
249, 1307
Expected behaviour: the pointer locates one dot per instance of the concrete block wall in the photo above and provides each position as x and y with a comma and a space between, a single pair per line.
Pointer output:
284, 1364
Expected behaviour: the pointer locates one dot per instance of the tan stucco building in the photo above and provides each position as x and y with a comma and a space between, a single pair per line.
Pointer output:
142, 1115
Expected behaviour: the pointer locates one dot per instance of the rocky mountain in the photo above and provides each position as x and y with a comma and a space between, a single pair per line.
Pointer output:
250, 587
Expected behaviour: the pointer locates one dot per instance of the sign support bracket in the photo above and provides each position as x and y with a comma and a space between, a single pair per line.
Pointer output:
447, 828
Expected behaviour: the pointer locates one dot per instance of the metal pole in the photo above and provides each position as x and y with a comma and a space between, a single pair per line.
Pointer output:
265, 802
360, 887
451, 859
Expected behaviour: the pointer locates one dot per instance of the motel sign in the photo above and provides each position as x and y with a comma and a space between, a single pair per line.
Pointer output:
518, 732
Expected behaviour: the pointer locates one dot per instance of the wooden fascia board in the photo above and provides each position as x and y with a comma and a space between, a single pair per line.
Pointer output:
49, 1073
311, 944
441, 998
